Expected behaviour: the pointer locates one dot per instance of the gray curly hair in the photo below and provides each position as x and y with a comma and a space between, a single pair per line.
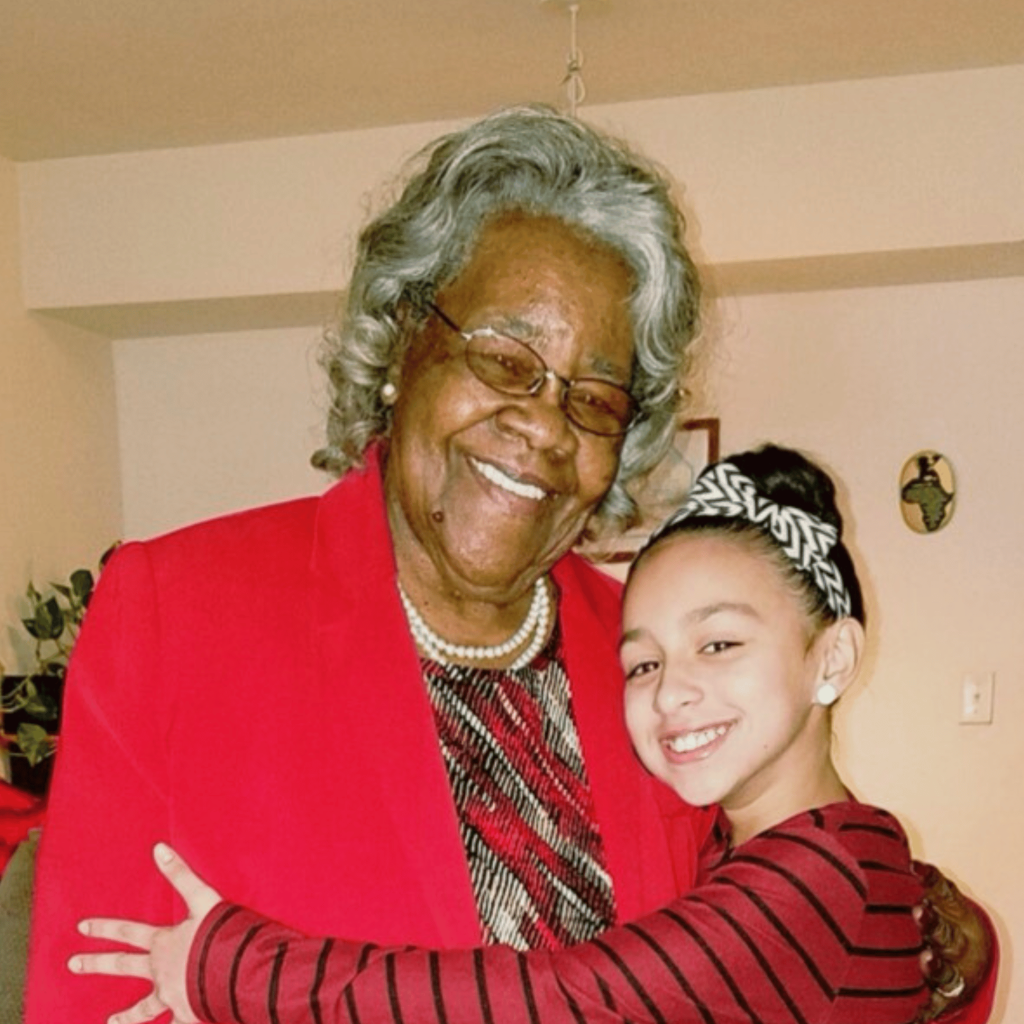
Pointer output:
535, 161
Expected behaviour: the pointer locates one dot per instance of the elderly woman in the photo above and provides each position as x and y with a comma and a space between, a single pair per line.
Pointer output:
394, 710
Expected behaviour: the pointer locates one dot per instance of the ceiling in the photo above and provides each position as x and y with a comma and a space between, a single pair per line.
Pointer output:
98, 76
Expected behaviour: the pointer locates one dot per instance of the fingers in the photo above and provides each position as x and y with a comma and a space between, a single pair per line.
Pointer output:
129, 933
145, 1010
123, 965
199, 897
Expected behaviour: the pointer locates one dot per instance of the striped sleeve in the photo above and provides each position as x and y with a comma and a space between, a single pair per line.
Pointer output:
809, 922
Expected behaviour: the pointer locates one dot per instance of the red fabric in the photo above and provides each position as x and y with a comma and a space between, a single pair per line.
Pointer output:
809, 921
19, 812
247, 690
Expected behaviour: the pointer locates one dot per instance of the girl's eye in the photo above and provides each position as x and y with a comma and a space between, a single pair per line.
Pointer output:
641, 668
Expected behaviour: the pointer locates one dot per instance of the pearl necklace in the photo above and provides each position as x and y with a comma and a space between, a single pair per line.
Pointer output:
534, 629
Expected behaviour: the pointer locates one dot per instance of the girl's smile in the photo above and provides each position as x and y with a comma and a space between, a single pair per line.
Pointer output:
693, 745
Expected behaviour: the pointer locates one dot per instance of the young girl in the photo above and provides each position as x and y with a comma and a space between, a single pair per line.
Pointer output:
742, 625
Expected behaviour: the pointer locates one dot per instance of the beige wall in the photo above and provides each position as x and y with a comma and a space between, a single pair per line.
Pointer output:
60, 502
851, 173
901, 184
218, 422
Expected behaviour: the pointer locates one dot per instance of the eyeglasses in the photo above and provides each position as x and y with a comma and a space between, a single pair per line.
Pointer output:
512, 367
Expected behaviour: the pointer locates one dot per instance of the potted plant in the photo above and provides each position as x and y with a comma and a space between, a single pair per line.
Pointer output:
31, 703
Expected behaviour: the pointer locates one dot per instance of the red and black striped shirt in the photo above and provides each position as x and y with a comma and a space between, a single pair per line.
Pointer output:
807, 922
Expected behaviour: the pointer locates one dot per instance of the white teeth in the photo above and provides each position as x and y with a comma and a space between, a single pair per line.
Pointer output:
506, 482
695, 740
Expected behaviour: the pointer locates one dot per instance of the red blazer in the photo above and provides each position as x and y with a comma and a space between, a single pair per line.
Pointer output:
247, 690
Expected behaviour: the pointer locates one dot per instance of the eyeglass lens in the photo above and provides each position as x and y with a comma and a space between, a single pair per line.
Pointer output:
509, 366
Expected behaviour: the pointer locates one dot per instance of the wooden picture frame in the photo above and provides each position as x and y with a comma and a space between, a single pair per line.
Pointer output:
696, 445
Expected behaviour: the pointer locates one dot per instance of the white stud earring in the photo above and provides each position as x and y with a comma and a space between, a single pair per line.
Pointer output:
388, 393
826, 695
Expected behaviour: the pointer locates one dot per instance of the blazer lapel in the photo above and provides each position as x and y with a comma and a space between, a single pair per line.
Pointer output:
365, 646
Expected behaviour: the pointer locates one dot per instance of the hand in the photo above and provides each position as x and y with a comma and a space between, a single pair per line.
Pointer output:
165, 957
958, 947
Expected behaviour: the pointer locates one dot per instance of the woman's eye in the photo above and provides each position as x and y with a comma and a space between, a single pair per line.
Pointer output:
509, 362
595, 402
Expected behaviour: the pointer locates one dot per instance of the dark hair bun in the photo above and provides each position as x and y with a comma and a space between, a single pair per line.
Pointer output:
788, 477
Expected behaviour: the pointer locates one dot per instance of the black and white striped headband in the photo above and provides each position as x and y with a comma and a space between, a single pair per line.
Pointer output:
722, 490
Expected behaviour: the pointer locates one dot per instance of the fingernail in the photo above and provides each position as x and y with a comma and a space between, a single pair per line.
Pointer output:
83, 927
163, 853
75, 964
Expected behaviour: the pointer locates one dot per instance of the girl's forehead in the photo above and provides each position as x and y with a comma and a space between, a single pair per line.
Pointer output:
712, 545
695, 581
691, 564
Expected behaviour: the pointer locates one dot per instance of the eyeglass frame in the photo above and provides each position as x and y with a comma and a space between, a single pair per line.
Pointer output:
547, 374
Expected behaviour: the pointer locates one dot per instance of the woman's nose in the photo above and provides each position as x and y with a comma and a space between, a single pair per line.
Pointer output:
541, 417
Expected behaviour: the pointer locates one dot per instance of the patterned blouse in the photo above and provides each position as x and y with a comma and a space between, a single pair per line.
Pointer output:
525, 810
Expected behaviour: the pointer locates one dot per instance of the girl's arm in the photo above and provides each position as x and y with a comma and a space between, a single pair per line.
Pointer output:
789, 926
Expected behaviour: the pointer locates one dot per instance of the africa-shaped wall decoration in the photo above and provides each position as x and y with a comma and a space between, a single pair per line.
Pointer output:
927, 492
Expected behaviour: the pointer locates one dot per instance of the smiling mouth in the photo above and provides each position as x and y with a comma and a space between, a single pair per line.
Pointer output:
508, 483
688, 742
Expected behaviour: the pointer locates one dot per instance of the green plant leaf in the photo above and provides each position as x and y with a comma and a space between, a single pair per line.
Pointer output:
53, 622
14, 690
53, 665
49, 621
42, 706
35, 743
81, 585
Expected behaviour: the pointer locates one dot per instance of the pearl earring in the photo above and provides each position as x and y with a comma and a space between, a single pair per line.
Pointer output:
388, 393
826, 695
